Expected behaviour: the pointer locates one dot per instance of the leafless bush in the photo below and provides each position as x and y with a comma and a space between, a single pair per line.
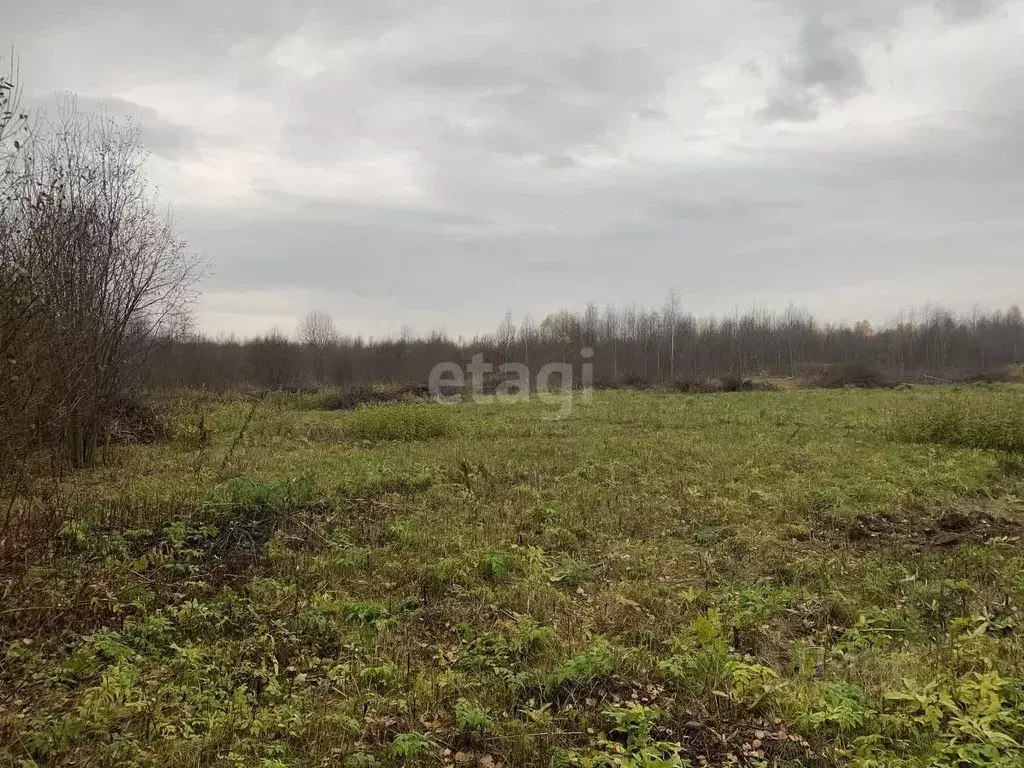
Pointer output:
107, 265
318, 334
272, 361
847, 376
351, 397
989, 376
136, 420
724, 384
634, 381
91, 273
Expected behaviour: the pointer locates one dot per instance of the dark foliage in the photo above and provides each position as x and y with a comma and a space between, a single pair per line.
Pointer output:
632, 348
352, 396
726, 384
136, 419
848, 376
633, 381
989, 376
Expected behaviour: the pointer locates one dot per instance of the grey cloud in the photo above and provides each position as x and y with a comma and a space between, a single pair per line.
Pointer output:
464, 75
970, 10
543, 103
523, 121
159, 135
651, 113
825, 70
415, 218
560, 161
826, 66
884, 16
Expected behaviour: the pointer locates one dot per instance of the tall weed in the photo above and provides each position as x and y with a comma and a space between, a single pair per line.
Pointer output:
967, 420
400, 422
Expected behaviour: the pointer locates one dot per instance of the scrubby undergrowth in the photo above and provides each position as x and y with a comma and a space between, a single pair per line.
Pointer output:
763, 579
969, 418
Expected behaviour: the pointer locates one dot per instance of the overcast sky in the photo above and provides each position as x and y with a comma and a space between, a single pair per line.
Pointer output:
434, 164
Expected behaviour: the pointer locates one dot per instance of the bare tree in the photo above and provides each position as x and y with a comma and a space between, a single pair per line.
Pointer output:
631, 344
13, 121
1015, 320
108, 264
272, 361
100, 264
671, 317
590, 320
506, 334
527, 333
611, 337
317, 330
15, 309
90, 273
25, 363
318, 334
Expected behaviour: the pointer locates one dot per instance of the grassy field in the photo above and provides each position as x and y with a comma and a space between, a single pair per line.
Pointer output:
794, 578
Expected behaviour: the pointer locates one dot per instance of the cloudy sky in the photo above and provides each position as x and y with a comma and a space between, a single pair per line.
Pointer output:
434, 164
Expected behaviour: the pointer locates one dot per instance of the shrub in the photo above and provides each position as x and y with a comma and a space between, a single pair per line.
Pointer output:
725, 384
472, 716
592, 665
351, 397
692, 386
497, 565
966, 421
602, 383
278, 496
847, 375
633, 381
406, 422
137, 420
413, 746
989, 376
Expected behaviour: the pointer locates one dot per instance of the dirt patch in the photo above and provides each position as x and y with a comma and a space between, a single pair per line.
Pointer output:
951, 528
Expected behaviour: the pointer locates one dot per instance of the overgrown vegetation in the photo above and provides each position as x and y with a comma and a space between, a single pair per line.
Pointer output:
405, 422
760, 579
91, 274
846, 376
354, 395
969, 418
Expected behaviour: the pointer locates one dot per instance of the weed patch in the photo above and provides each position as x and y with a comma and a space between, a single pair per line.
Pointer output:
966, 419
402, 423
351, 397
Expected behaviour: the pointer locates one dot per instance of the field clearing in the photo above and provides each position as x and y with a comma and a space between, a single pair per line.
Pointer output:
791, 578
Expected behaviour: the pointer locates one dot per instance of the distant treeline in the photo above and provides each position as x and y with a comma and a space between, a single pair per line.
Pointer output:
630, 346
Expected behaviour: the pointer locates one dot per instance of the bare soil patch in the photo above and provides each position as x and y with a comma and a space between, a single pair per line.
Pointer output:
951, 528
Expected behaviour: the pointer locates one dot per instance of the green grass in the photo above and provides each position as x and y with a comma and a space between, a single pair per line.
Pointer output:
970, 418
407, 422
796, 578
